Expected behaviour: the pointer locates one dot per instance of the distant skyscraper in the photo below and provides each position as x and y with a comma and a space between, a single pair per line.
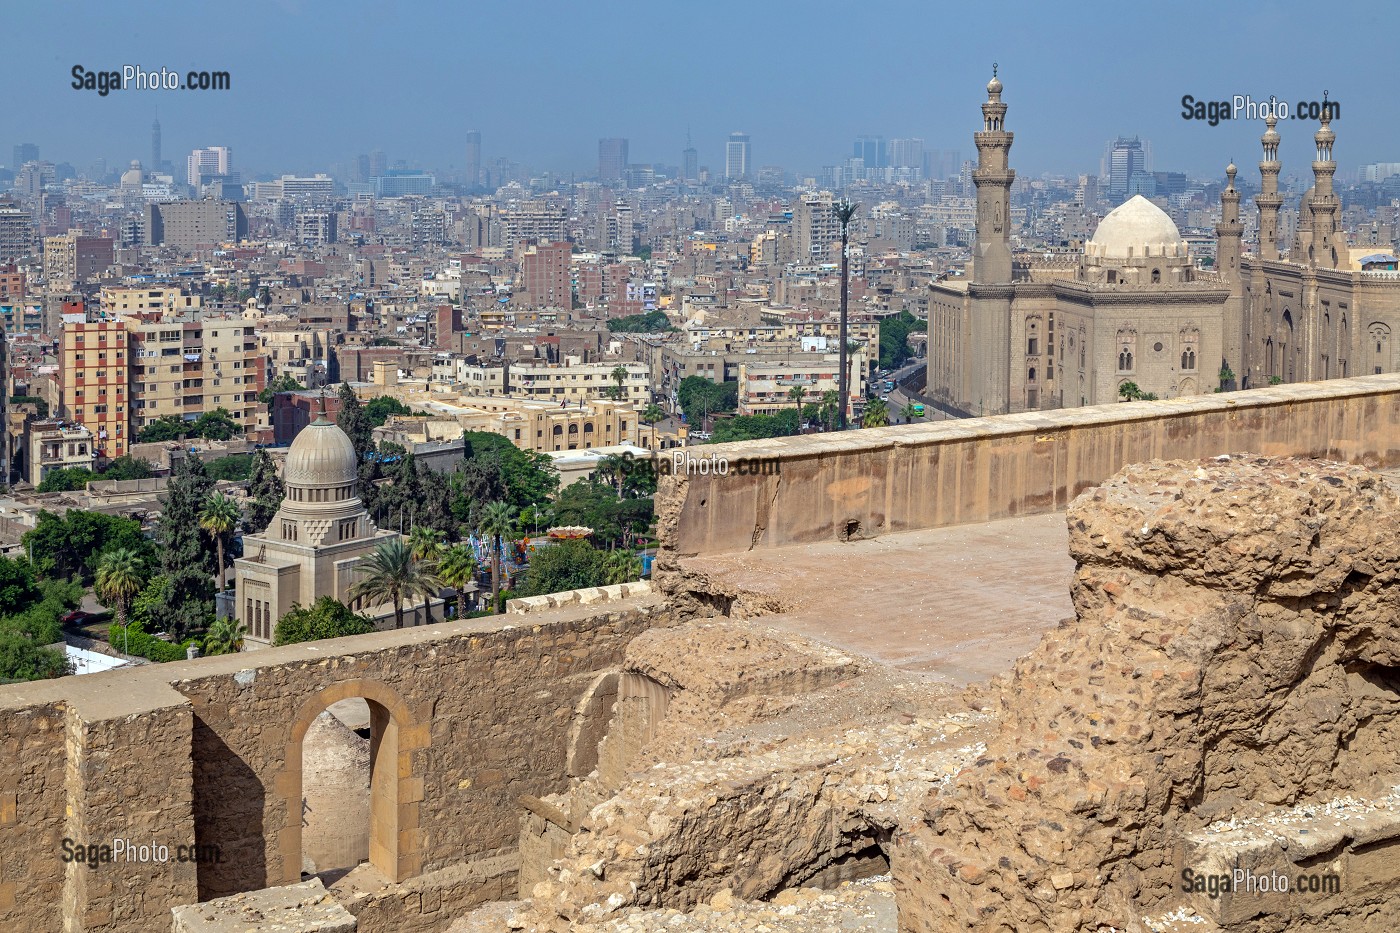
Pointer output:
872, 150
378, 165
362, 172
738, 156
155, 145
612, 158
473, 157
690, 161
1124, 161
25, 152
907, 153
206, 163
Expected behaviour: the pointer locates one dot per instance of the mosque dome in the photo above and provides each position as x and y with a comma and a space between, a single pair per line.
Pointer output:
321, 455
132, 177
1136, 229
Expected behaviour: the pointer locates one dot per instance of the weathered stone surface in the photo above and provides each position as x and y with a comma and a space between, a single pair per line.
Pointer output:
1234, 650
296, 908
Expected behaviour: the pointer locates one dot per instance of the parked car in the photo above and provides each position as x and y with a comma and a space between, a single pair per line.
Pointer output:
77, 618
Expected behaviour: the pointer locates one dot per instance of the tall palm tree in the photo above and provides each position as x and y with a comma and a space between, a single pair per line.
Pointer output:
424, 543
391, 574
845, 210
797, 393
498, 523
877, 414
618, 375
219, 517
650, 416
457, 569
120, 575
621, 567
831, 400
225, 636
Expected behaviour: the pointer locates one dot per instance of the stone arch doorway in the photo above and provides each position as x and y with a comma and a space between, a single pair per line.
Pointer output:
396, 787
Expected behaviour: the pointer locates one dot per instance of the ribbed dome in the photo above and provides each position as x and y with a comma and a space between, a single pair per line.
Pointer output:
321, 455
1140, 226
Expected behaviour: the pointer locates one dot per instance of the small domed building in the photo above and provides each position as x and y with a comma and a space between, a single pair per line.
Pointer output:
315, 540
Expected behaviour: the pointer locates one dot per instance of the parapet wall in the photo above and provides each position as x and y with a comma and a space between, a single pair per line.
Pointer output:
860, 485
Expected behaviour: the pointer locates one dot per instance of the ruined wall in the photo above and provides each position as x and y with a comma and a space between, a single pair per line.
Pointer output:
468, 717
829, 487
1228, 687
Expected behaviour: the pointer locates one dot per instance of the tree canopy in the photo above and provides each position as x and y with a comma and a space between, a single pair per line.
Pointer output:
66, 479
379, 409
216, 425
70, 544
186, 553
753, 427
567, 565
894, 338
699, 397
652, 322
325, 618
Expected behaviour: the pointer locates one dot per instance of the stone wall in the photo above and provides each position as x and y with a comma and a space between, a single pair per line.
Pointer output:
1226, 698
830, 487
467, 717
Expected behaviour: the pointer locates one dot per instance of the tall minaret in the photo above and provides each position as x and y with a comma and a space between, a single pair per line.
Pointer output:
1268, 199
993, 177
1323, 250
155, 144
1228, 234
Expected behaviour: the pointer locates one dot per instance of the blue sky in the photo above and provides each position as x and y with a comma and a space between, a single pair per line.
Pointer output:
315, 83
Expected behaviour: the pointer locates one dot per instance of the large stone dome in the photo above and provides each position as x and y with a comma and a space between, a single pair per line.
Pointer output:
321, 455
1136, 229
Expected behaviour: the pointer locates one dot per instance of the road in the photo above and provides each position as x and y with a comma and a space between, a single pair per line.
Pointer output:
899, 398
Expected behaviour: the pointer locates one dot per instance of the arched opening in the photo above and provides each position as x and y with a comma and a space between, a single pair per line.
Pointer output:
1156, 276
391, 735
335, 792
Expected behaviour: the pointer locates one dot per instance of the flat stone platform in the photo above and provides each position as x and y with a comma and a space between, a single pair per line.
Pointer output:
958, 604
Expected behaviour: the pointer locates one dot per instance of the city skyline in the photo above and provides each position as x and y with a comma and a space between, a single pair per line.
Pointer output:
297, 118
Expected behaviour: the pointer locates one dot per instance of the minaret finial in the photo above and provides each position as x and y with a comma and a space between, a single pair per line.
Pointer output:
994, 74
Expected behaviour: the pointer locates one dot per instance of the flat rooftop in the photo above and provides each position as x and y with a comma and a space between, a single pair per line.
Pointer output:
956, 604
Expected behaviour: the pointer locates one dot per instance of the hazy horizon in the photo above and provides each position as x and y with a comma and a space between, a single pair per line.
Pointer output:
312, 88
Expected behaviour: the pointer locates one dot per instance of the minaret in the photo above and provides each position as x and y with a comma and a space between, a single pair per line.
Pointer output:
993, 177
1228, 234
1323, 250
1268, 200
155, 144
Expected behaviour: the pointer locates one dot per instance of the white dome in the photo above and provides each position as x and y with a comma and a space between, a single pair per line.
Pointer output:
1136, 228
321, 455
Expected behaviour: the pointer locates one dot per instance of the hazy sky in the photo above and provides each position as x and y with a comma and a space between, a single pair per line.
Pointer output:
316, 83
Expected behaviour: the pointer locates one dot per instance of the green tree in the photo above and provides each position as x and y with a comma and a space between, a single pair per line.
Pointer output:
618, 391
41, 405
66, 479
265, 493
164, 429
234, 468
651, 416
185, 558
216, 425
147, 603
699, 397
121, 572
615, 522
24, 634
831, 401
378, 410
390, 574
283, 383
498, 524
1129, 392
753, 427
652, 322
225, 636
68, 545
328, 617
877, 414
18, 588
568, 565
218, 517
425, 543
353, 420
797, 393
909, 413
128, 467
457, 569
894, 338
621, 567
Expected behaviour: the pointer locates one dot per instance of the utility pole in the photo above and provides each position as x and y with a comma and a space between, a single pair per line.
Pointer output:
845, 210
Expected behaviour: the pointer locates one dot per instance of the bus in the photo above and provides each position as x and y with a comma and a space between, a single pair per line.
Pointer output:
918, 410
889, 385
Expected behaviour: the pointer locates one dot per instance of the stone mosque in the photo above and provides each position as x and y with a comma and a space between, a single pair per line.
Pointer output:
1035, 331
315, 540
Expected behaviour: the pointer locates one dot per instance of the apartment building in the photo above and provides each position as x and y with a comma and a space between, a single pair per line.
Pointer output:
571, 383
71, 259
766, 388
16, 232
56, 445
183, 366
189, 225
122, 300
545, 274
93, 378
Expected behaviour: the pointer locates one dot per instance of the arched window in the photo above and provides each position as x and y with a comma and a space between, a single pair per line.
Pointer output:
1156, 276
558, 430
1030, 375
1125, 360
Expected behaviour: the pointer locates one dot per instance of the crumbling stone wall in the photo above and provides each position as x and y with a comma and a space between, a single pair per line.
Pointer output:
1235, 650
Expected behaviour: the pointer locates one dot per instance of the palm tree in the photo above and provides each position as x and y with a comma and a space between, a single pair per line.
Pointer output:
909, 412
618, 375
424, 543
650, 416
225, 636
621, 567
797, 393
219, 517
877, 414
391, 574
498, 523
845, 210
120, 576
457, 569
831, 400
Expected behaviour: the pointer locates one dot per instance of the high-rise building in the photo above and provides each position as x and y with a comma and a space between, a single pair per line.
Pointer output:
815, 227
544, 273
1124, 161
473, 172
533, 220
93, 372
378, 164
738, 156
24, 152
16, 232
907, 153
612, 159
71, 259
204, 164
690, 163
872, 150
155, 145
188, 225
